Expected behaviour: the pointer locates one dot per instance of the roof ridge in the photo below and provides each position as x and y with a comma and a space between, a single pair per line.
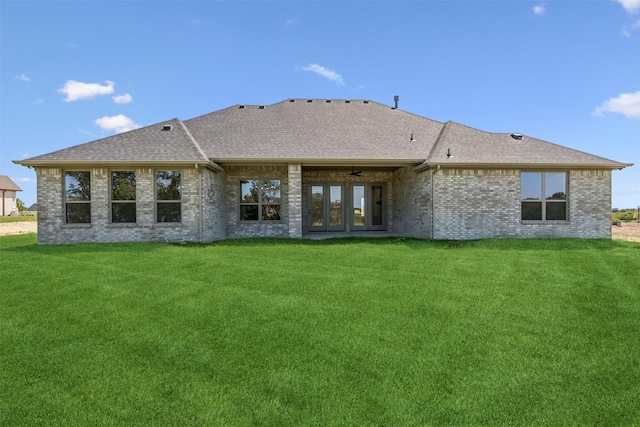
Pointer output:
192, 139
443, 131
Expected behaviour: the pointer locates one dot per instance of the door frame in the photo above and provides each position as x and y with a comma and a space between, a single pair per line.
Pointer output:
326, 208
368, 198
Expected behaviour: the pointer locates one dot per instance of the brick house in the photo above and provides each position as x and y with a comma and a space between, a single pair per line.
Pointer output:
9, 191
305, 166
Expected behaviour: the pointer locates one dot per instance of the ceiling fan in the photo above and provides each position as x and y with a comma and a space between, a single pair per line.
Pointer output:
355, 172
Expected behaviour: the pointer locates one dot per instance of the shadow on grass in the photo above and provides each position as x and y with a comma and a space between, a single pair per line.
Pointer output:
422, 244
28, 243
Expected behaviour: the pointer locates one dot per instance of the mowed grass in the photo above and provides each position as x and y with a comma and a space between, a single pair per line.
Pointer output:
339, 332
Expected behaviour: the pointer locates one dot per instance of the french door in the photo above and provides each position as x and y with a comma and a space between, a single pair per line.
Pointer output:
368, 207
326, 212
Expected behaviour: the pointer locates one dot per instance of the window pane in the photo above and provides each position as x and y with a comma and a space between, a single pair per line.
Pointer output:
78, 186
556, 211
531, 185
249, 212
123, 212
317, 205
555, 184
271, 213
168, 185
78, 213
532, 211
249, 191
123, 185
168, 212
271, 191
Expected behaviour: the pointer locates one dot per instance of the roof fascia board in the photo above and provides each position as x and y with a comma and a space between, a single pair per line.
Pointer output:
326, 162
119, 163
522, 166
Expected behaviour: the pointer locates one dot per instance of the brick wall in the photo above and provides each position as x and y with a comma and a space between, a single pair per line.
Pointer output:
467, 204
476, 204
52, 228
214, 199
237, 228
412, 214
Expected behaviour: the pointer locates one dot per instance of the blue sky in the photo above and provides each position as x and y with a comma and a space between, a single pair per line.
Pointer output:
564, 71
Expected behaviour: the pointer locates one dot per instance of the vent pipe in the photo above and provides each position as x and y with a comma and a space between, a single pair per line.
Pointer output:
395, 100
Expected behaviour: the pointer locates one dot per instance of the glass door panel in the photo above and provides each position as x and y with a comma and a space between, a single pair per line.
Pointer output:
376, 205
326, 210
359, 210
317, 207
335, 207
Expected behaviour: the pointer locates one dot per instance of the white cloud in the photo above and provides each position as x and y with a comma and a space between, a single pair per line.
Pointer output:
23, 179
78, 90
39, 101
627, 191
22, 77
627, 104
324, 72
122, 99
118, 124
540, 9
627, 30
290, 22
631, 6
71, 45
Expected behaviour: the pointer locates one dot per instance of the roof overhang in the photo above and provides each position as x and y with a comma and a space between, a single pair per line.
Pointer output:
521, 166
325, 162
119, 163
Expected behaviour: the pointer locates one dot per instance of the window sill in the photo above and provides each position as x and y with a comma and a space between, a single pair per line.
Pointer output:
78, 225
122, 225
540, 222
167, 224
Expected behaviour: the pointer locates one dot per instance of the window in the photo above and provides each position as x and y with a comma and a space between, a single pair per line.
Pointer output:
123, 196
77, 197
168, 196
260, 200
544, 196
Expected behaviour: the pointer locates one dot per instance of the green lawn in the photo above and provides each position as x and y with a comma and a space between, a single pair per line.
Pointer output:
21, 218
341, 332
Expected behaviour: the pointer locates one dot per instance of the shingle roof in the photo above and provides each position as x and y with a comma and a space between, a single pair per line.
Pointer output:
472, 146
148, 144
313, 131
7, 183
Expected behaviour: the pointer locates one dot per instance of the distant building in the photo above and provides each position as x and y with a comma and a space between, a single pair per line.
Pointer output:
9, 190
33, 208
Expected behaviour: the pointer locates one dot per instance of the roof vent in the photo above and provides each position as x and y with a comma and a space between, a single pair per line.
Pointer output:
309, 100
366, 102
348, 101
412, 139
292, 100
449, 155
516, 135
166, 127
327, 101
241, 107
396, 98
261, 107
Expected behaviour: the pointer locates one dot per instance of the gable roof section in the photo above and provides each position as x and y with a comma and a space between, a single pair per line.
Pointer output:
313, 130
7, 183
469, 146
150, 144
